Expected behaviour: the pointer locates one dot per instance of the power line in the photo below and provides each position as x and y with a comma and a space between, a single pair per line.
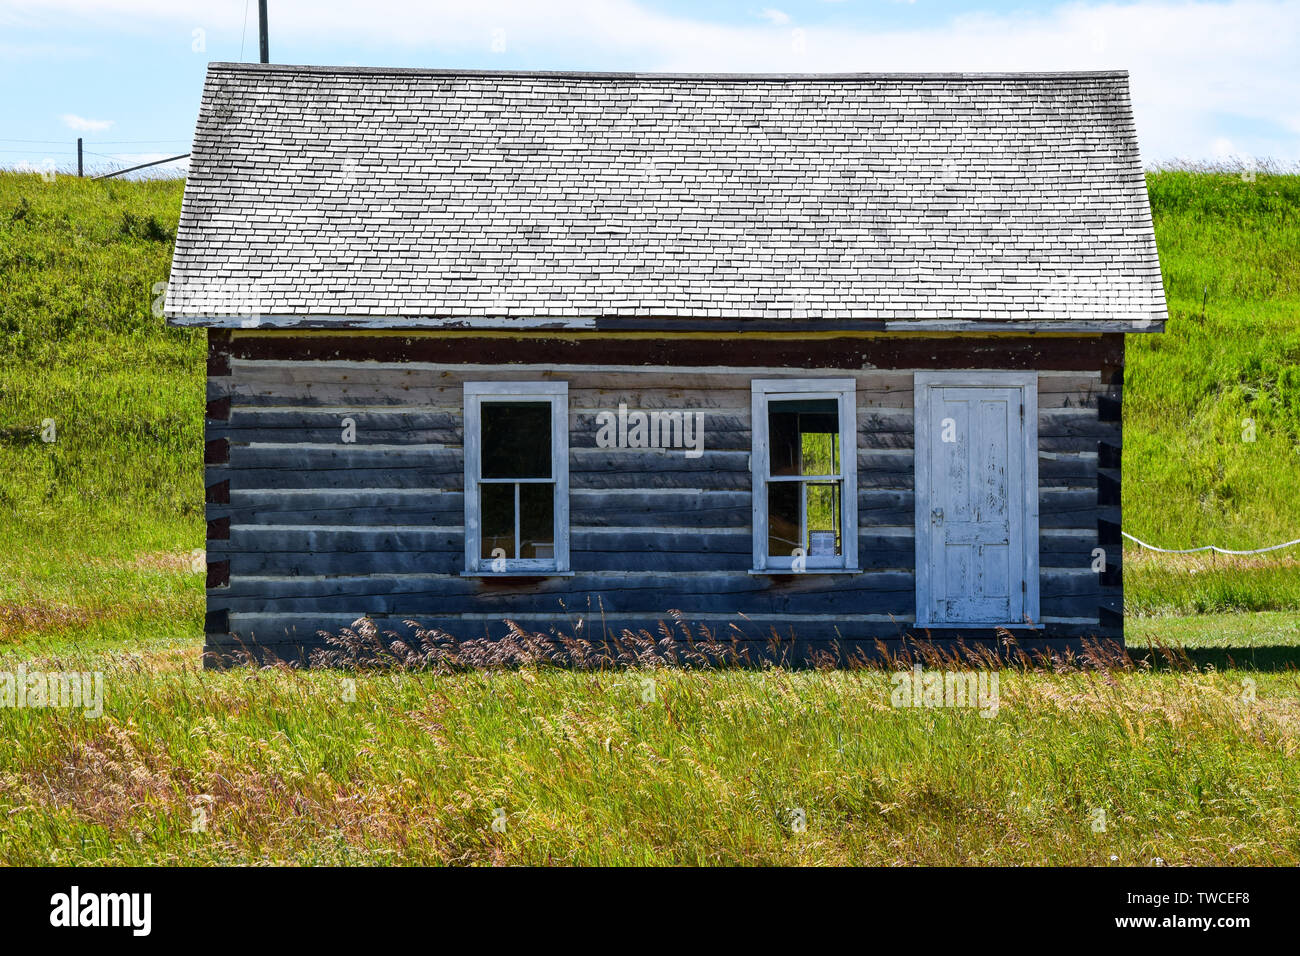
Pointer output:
66, 152
101, 142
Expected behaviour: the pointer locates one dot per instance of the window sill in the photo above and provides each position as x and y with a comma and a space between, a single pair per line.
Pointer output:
790, 572
522, 573
983, 625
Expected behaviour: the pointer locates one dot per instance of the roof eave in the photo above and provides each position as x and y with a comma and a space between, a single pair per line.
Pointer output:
665, 324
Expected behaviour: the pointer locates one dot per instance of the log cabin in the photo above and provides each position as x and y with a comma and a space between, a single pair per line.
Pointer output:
837, 358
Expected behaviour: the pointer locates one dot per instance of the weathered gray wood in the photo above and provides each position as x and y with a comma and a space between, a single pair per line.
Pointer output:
1066, 423
1067, 471
414, 512
334, 556
595, 377
722, 431
595, 508
1059, 582
394, 434
432, 606
1073, 550
655, 540
885, 506
664, 476
1080, 606
343, 456
325, 525
262, 501
403, 426
591, 389
569, 588
359, 479
599, 563
869, 440
257, 539
884, 428
313, 563
1068, 444
1067, 507
357, 395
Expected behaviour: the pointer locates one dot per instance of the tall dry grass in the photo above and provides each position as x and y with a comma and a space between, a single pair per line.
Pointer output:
647, 764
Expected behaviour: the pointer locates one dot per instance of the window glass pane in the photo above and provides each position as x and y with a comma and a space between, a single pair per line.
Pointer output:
803, 437
783, 518
821, 452
516, 439
537, 521
823, 518
782, 439
497, 519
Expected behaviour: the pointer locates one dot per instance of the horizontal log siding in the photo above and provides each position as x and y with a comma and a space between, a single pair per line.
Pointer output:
310, 533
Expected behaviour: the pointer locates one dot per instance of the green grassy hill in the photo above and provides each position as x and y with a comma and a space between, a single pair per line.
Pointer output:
1212, 407
91, 523
1230, 253
98, 525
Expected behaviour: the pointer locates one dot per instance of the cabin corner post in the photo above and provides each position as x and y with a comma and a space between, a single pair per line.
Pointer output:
216, 483
1110, 450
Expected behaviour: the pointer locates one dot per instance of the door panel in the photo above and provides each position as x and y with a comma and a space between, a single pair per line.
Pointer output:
976, 506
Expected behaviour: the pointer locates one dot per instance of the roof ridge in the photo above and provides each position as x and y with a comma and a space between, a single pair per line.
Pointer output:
232, 67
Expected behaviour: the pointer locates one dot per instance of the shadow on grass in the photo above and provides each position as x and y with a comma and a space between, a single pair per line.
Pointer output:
1279, 657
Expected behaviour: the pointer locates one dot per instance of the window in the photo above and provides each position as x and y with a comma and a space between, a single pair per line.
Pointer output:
804, 465
516, 477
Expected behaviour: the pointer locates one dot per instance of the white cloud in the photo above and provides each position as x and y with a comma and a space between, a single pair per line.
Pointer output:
1200, 70
779, 17
83, 125
1222, 148
44, 166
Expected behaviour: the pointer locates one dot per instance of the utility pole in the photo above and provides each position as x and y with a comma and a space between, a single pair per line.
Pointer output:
261, 29
80, 169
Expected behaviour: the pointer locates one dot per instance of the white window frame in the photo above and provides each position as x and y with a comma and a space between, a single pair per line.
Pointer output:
844, 391
1027, 382
557, 394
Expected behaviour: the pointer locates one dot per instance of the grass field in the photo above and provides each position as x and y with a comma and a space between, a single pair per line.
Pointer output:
98, 530
698, 767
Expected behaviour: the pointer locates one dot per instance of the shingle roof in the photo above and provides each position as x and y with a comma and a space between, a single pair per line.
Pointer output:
428, 198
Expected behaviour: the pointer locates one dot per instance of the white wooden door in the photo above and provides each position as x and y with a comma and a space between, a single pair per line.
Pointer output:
972, 566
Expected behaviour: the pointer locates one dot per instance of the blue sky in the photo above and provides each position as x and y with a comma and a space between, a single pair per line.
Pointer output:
1211, 80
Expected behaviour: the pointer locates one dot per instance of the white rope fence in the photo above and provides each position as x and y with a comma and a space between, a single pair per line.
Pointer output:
1208, 547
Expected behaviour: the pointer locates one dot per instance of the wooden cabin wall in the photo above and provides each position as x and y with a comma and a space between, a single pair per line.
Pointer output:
307, 533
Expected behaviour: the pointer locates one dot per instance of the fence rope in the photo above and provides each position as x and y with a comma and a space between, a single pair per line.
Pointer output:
1207, 547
